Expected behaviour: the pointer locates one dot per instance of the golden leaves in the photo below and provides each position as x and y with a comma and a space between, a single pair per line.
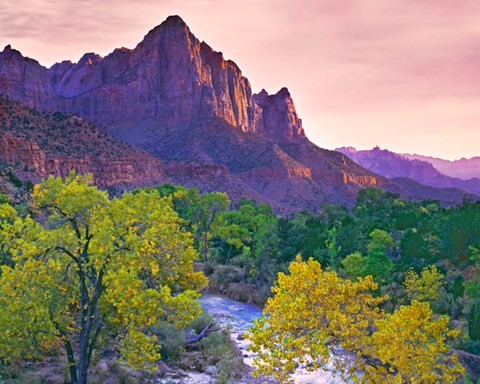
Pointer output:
425, 287
130, 252
313, 313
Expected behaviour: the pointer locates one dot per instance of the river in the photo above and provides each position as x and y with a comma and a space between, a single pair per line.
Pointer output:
239, 318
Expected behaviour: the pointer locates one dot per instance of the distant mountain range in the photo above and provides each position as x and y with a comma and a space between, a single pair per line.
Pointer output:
462, 168
394, 165
191, 110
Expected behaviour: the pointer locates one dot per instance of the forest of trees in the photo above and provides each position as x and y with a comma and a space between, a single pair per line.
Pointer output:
78, 265
420, 255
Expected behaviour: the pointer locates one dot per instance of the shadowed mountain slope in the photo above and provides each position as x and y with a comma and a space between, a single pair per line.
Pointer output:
42, 144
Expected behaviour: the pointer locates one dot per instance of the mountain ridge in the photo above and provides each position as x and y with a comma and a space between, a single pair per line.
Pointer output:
463, 168
178, 99
394, 165
170, 76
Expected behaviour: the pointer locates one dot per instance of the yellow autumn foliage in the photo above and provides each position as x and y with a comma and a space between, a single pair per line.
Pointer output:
316, 319
89, 265
425, 287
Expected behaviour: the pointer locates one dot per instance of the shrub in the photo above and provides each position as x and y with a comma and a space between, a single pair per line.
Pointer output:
226, 275
474, 322
218, 349
4, 198
171, 340
14, 179
201, 322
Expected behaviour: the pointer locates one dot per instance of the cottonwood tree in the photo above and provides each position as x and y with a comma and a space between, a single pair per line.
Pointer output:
316, 314
424, 287
87, 267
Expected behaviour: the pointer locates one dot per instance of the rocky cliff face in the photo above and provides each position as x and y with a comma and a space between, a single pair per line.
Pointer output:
279, 117
39, 145
24, 79
170, 77
180, 100
26, 152
36, 165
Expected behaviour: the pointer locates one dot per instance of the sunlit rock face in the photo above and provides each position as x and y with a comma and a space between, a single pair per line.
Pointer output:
170, 77
280, 119
180, 100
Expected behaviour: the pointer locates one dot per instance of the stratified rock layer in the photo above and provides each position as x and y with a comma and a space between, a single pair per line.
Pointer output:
54, 144
180, 100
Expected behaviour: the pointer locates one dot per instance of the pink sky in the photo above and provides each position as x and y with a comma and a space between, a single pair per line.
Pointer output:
401, 74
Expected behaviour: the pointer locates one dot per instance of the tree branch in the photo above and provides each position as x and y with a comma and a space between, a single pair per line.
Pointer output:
201, 335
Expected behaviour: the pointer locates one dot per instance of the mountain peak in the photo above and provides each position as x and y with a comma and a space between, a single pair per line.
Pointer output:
10, 53
90, 58
280, 117
284, 92
174, 20
346, 150
178, 80
170, 23
8, 50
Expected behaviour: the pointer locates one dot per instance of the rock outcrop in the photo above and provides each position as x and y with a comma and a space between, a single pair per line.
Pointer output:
471, 363
280, 119
170, 77
178, 99
26, 152
39, 145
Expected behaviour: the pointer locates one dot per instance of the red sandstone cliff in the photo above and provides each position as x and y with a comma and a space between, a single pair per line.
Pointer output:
180, 100
170, 77
133, 169
30, 141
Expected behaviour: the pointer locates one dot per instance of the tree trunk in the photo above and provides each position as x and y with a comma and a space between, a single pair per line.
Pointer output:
207, 225
72, 367
83, 347
88, 339
228, 254
201, 335
82, 373
205, 246
85, 330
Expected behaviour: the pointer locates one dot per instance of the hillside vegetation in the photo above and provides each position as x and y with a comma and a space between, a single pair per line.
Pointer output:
90, 271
